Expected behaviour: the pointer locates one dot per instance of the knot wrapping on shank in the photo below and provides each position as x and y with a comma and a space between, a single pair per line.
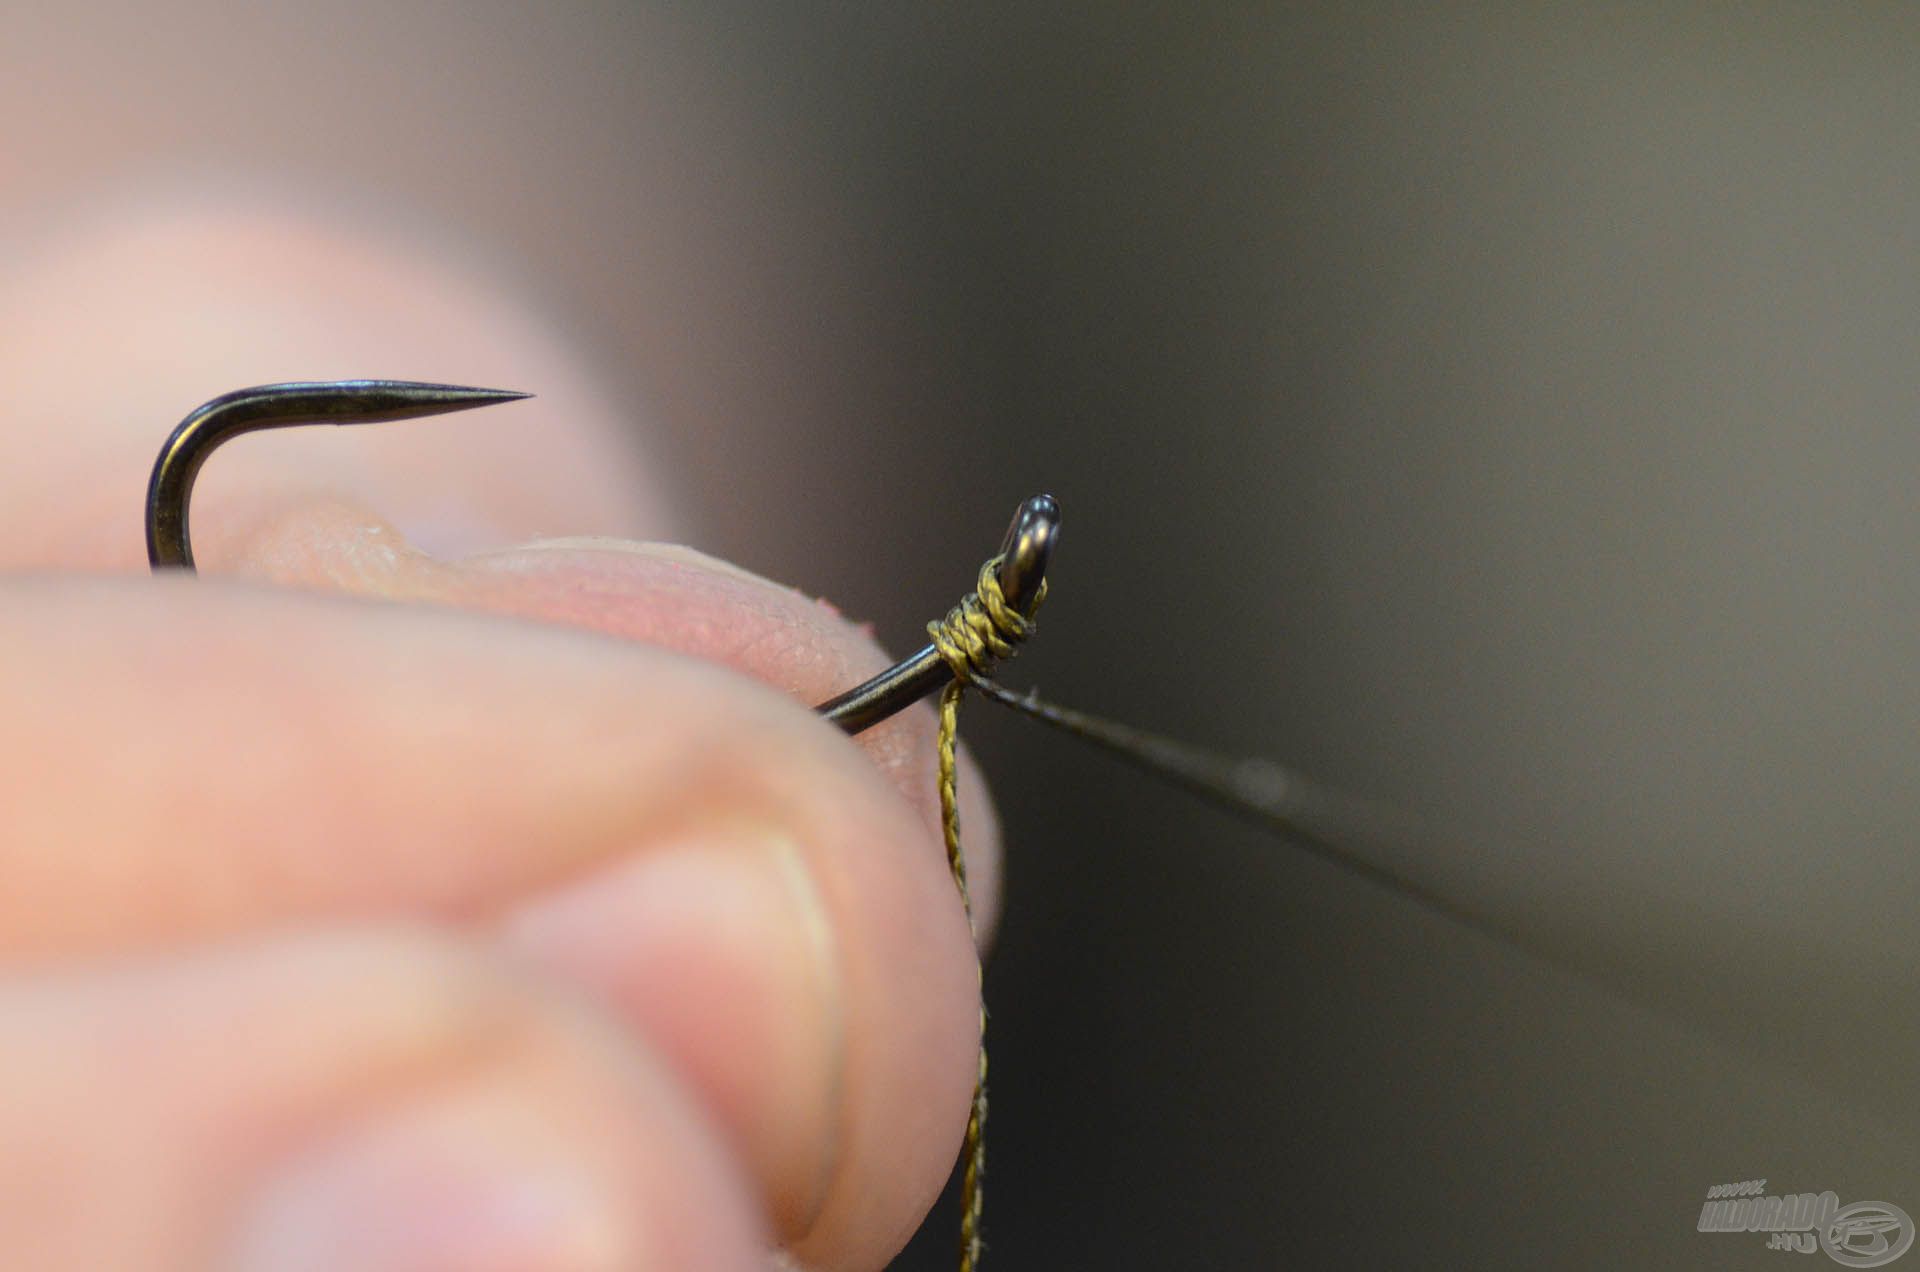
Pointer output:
983, 629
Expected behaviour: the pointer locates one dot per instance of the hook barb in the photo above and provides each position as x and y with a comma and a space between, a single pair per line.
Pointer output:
170, 490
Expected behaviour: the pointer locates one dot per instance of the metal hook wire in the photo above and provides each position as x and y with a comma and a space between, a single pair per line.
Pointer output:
1023, 554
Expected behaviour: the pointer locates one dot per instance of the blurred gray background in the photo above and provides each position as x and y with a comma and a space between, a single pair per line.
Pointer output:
1506, 414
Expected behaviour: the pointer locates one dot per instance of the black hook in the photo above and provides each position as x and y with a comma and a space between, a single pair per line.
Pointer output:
1023, 555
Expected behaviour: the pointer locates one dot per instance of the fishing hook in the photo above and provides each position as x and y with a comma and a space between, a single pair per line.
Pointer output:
1021, 571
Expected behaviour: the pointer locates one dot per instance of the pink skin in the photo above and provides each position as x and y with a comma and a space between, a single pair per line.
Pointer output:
734, 972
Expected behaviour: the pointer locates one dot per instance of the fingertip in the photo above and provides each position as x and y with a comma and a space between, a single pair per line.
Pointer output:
728, 916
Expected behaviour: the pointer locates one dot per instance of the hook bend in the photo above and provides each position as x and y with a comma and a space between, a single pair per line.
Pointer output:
170, 490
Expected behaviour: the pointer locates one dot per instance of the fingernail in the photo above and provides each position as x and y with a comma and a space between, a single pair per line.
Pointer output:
433, 1190
718, 945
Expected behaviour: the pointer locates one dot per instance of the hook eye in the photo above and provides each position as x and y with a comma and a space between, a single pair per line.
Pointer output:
1026, 550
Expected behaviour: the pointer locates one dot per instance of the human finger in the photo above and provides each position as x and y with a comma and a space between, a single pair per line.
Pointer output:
385, 1099
715, 860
